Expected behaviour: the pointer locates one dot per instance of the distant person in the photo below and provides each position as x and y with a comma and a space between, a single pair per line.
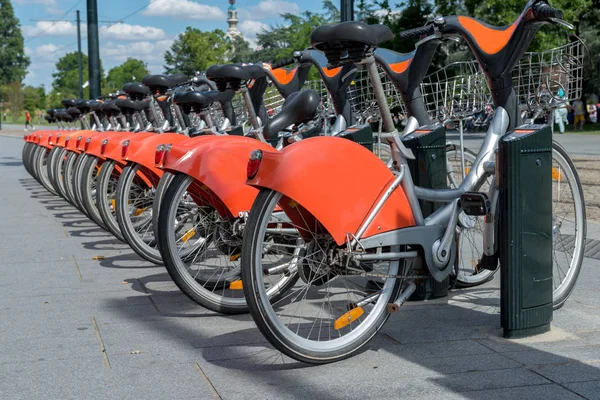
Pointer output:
561, 113
28, 121
5, 115
592, 112
579, 112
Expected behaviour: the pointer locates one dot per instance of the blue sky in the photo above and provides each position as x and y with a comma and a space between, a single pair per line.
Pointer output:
145, 35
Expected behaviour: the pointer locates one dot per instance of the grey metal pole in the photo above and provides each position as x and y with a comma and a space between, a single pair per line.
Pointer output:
79, 56
346, 10
93, 48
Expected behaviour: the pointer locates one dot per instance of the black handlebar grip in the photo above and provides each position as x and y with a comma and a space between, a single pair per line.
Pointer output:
282, 63
418, 32
544, 12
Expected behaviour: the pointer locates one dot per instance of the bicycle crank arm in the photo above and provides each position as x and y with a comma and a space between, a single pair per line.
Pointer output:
395, 306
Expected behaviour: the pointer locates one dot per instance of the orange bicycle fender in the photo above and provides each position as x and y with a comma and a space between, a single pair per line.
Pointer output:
43, 139
142, 151
219, 164
115, 144
336, 181
93, 148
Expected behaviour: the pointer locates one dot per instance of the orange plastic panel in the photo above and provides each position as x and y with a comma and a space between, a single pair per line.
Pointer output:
218, 163
142, 151
96, 141
113, 148
284, 76
401, 66
490, 40
338, 182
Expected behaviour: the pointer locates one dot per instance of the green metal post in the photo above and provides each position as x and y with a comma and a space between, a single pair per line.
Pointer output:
525, 177
93, 48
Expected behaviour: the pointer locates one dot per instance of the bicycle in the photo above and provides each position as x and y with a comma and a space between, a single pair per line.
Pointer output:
347, 234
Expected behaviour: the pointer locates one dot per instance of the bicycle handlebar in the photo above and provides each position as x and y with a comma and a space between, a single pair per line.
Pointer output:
544, 12
417, 32
282, 63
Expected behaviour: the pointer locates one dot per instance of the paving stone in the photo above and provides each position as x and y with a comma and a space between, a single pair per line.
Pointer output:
590, 390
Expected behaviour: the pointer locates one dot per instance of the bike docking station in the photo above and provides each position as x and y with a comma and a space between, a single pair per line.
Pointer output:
428, 170
524, 176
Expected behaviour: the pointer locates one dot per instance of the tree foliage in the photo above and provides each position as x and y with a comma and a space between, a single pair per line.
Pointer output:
34, 98
66, 77
195, 50
130, 71
13, 61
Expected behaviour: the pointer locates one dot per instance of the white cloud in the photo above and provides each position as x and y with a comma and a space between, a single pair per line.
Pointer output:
251, 28
183, 9
51, 5
132, 32
62, 28
149, 52
268, 8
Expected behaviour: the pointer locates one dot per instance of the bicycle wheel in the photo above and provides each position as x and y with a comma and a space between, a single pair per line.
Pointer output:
27, 147
106, 190
58, 174
332, 311
569, 225
210, 274
470, 228
87, 188
51, 166
70, 159
161, 188
39, 161
134, 200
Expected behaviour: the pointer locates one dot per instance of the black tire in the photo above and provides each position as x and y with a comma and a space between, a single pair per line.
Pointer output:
161, 188
58, 173
39, 160
70, 160
282, 338
214, 295
87, 186
50, 167
128, 186
105, 193
75, 183
561, 296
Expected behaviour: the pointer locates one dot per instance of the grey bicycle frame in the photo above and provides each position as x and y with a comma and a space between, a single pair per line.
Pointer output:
437, 252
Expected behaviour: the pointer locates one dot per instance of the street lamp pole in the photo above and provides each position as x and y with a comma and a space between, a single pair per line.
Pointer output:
346, 10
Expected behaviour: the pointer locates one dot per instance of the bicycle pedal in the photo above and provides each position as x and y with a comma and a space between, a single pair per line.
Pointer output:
489, 263
475, 203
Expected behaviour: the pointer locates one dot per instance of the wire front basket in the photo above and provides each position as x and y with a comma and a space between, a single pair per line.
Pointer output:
362, 97
551, 78
456, 91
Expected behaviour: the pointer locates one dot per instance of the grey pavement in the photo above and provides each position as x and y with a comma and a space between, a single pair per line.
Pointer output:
76, 328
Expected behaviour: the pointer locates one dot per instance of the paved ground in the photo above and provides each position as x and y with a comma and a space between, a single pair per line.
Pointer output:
75, 328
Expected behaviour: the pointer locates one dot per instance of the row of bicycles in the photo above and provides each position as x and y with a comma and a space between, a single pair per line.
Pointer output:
301, 202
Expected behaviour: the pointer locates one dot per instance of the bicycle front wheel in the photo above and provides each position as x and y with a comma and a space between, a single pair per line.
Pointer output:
332, 311
569, 227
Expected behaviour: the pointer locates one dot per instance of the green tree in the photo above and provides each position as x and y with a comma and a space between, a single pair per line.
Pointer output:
33, 98
14, 96
280, 41
241, 51
13, 61
195, 50
131, 70
66, 77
